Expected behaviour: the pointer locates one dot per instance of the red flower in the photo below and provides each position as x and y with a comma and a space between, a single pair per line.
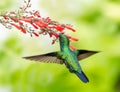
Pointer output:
19, 28
70, 28
14, 19
72, 48
23, 30
23, 16
59, 28
72, 38
41, 24
26, 20
53, 34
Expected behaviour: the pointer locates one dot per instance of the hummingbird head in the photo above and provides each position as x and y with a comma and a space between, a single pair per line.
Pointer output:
64, 41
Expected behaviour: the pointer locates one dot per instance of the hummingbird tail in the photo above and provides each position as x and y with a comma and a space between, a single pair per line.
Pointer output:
82, 76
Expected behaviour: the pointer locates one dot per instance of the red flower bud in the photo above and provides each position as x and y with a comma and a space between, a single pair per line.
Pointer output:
21, 23
5, 17
37, 14
29, 17
48, 19
12, 12
50, 34
34, 26
36, 34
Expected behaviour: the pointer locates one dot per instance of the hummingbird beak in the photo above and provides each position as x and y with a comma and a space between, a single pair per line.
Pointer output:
60, 34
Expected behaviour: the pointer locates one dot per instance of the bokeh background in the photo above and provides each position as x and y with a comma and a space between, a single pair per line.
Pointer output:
98, 28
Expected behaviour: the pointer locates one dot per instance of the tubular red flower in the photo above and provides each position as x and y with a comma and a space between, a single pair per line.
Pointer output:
72, 38
41, 24
72, 48
23, 30
14, 19
53, 34
26, 20
18, 27
29, 21
70, 28
59, 28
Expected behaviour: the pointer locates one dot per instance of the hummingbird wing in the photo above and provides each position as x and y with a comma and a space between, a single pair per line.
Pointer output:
82, 54
53, 57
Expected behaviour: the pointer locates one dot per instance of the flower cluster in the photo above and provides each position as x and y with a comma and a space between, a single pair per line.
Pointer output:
31, 22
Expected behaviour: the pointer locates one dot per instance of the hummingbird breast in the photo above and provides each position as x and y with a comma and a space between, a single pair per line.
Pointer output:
71, 61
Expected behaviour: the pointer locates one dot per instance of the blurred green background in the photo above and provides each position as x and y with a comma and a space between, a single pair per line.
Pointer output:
98, 28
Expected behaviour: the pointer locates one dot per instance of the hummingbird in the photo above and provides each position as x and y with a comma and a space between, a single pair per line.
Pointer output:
66, 56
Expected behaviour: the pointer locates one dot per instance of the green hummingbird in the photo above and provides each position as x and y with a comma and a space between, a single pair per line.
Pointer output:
66, 56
